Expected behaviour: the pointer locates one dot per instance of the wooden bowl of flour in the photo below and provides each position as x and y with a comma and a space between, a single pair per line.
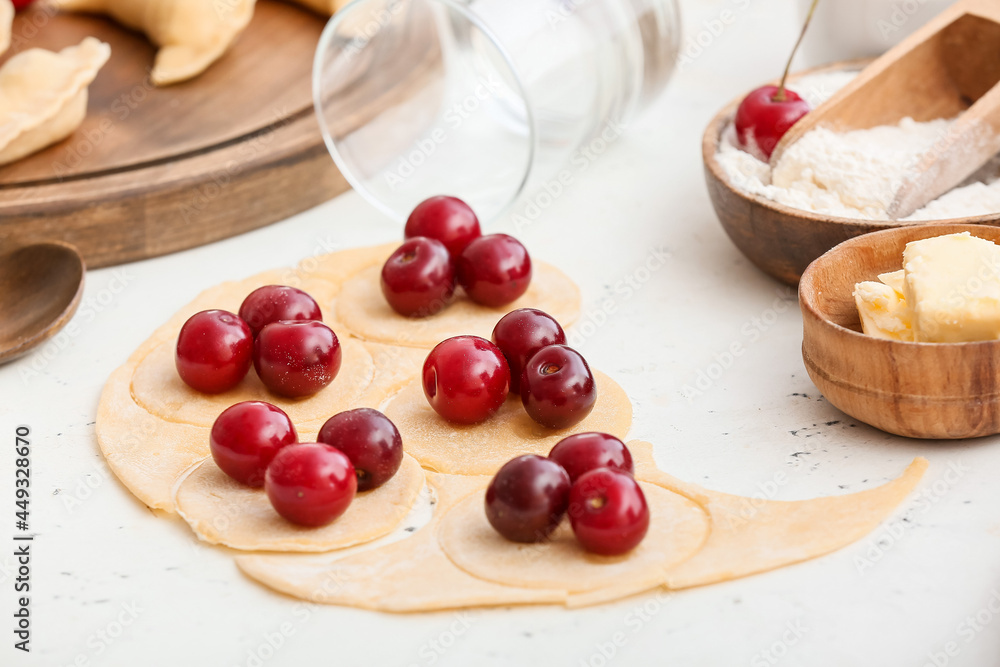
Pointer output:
778, 239
940, 391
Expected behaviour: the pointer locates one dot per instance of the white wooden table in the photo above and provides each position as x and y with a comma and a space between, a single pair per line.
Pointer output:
667, 297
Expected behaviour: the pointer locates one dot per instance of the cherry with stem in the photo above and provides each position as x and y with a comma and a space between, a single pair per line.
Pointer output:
767, 113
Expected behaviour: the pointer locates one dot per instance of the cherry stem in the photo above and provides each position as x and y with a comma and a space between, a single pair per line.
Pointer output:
780, 95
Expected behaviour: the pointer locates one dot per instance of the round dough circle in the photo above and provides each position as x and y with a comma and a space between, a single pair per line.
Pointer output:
677, 530
362, 308
220, 510
158, 388
481, 449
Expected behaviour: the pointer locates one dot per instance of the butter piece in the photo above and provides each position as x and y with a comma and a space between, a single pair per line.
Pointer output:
884, 312
895, 280
953, 288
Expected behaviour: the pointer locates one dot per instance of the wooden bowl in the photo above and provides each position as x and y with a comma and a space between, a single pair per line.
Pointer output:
917, 390
778, 239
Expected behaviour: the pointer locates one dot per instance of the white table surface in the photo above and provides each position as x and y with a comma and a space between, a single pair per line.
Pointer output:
101, 558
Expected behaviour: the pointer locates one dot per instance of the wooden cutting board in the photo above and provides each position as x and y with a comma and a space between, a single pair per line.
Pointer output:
156, 170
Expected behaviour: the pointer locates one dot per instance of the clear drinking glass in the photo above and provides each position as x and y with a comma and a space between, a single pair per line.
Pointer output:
482, 99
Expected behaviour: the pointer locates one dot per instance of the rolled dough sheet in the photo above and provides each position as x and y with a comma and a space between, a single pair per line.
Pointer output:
677, 529
222, 511
410, 575
751, 535
481, 449
362, 309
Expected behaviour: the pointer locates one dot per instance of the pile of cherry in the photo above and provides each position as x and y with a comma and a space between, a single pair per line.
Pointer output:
279, 330
588, 476
313, 483
444, 249
466, 379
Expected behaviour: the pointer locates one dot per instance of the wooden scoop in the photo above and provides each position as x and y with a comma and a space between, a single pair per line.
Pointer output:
948, 67
40, 289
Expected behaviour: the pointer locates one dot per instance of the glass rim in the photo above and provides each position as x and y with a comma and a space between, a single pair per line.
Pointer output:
325, 40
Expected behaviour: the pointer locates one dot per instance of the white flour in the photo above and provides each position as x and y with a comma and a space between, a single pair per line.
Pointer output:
853, 174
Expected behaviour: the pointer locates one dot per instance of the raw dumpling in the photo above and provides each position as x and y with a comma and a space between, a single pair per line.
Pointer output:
6, 21
325, 7
43, 96
191, 34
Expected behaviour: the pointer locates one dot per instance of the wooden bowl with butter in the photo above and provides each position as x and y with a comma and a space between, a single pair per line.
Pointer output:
778, 239
912, 389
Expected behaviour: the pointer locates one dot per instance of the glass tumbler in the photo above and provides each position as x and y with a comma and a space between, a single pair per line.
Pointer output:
482, 99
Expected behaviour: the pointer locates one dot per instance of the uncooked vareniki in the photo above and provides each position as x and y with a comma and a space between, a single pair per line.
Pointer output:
191, 34
43, 96
6, 21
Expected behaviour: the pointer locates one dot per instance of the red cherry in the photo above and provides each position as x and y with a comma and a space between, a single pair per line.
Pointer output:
527, 498
466, 379
761, 120
583, 452
214, 349
557, 387
446, 219
310, 484
494, 270
521, 333
272, 303
21, 4
418, 279
608, 512
246, 437
296, 359
370, 440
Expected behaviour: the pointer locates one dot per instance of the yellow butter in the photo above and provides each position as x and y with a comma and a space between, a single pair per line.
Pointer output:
883, 310
895, 280
952, 285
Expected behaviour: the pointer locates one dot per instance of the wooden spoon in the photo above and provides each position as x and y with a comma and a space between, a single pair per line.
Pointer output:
40, 289
948, 67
